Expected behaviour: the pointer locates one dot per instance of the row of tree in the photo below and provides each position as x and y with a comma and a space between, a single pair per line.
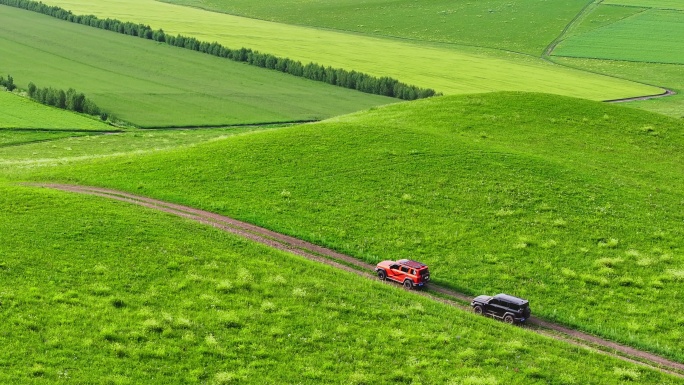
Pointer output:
385, 86
68, 100
8, 83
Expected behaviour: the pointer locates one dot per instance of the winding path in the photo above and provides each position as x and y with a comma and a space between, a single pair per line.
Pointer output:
664, 94
353, 265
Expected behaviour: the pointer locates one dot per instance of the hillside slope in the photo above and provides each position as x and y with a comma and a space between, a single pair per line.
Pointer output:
102, 292
573, 204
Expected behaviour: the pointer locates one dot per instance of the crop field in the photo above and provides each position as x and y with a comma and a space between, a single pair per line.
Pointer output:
149, 84
634, 48
501, 24
576, 196
659, 4
602, 16
445, 68
126, 296
19, 112
650, 36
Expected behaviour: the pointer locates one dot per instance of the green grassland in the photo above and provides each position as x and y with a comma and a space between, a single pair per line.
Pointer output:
660, 4
19, 112
649, 36
576, 205
34, 149
152, 84
446, 68
96, 291
501, 24
11, 138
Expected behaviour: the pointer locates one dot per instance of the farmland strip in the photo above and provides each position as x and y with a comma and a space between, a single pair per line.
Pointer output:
353, 265
359, 81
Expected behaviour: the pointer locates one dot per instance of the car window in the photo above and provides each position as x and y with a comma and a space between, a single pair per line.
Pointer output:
494, 302
411, 271
394, 267
404, 269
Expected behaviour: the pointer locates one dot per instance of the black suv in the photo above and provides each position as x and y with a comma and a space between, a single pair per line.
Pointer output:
502, 306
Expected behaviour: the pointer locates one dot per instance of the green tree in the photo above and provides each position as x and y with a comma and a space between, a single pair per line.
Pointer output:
31, 90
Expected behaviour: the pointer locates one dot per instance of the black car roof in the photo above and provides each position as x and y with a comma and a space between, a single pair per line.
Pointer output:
511, 299
411, 263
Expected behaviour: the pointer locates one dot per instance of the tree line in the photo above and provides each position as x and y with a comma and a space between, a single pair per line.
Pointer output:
385, 86
8, 83
66, 100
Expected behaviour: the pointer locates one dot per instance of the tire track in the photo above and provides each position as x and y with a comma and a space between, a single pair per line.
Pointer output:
350, 264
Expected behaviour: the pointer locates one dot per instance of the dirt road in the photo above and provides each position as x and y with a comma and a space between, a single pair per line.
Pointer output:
664, 94
353, 265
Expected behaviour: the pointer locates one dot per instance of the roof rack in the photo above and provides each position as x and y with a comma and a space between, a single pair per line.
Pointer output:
511, 299
411, 263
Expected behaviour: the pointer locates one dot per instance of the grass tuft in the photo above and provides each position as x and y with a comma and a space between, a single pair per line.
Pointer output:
608, 262
610, 243
100, 290
225, 286
627, 374
593, 280
225, 378
230, 320
37, 370
152, 325
117, 303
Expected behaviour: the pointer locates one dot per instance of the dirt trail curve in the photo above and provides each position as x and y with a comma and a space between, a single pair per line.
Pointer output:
353, 265
648, 97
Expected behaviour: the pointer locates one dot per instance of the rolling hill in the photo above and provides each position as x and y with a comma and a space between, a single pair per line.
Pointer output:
571, 203
102, 292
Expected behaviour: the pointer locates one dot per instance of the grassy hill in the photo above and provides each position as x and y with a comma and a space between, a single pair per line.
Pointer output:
444, 67
573, 204
152, 84
102, 292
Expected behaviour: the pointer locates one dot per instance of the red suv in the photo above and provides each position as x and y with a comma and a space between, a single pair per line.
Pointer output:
405, 271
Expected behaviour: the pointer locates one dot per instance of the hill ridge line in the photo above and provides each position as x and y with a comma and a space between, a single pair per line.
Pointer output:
350, 264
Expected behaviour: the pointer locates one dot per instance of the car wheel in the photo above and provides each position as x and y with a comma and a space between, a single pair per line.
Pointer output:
408, 285
478, 310
382, 275
509, 319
